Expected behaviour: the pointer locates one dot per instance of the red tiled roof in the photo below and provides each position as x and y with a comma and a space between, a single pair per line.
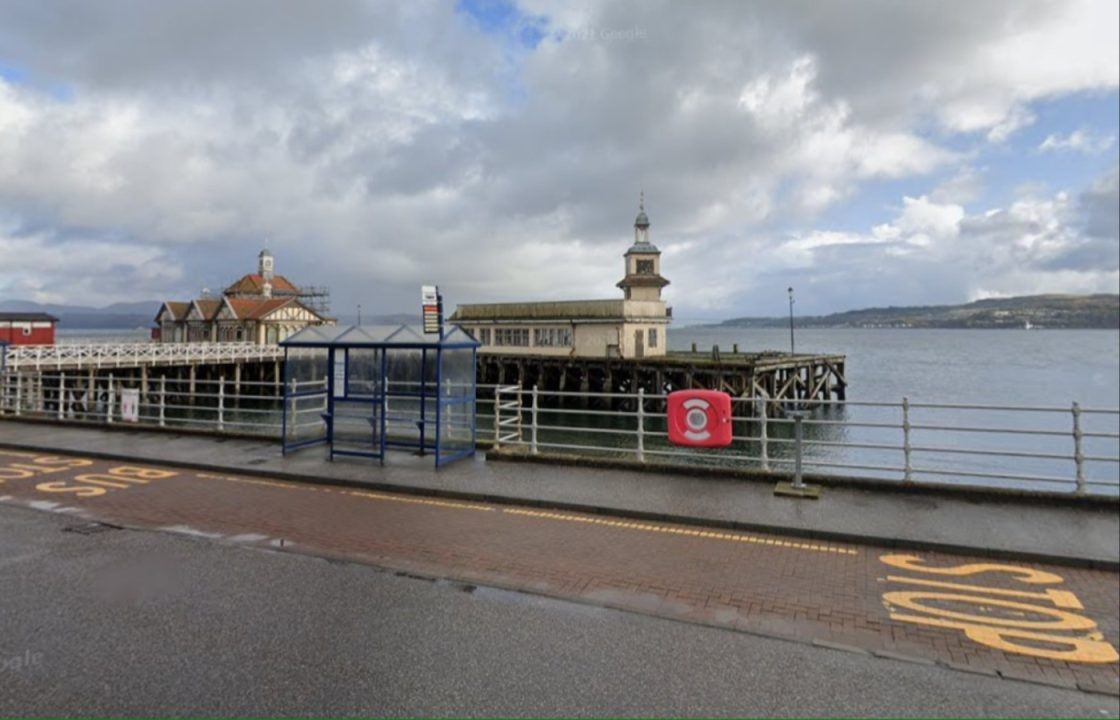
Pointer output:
208, 307
253, 284
178, 310
255, 309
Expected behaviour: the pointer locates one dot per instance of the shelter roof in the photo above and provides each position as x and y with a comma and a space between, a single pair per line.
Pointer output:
387, 336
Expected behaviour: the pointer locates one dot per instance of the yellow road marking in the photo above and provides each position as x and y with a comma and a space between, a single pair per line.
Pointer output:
814, 547
625, 524
13, 453
1044, 627
369, 495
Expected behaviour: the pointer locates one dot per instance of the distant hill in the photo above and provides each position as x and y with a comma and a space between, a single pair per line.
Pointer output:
1039, 311
118, 316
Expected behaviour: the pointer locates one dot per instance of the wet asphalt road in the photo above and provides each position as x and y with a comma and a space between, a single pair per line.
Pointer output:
141, 623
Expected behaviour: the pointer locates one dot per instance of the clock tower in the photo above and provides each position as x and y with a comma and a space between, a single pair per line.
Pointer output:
643, 279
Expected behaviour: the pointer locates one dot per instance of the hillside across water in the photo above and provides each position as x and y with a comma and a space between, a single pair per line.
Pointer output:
1031, 311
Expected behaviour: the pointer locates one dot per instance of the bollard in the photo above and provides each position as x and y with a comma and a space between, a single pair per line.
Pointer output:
641, 424
797, 488
533, 429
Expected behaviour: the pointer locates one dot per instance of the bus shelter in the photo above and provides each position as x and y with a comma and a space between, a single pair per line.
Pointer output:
362, 390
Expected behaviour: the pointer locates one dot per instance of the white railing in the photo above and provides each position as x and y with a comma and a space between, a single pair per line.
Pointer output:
1057, 450
122, 355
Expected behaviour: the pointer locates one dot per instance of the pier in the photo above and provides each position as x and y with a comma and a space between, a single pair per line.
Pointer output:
774, 375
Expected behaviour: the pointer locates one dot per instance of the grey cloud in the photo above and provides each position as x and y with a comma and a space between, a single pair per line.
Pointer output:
378, 145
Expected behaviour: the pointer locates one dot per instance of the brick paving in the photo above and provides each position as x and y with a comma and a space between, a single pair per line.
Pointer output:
804, 590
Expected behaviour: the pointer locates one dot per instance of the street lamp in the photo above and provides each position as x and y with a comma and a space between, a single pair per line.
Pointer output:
791, 321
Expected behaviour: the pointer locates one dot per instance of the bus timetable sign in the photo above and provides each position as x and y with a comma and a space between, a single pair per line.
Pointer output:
432, 305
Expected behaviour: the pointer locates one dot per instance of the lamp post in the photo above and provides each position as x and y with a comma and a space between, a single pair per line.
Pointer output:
791, 321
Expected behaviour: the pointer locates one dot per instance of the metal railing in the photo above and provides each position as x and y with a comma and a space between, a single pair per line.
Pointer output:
904, 448
1060, 450
121, 355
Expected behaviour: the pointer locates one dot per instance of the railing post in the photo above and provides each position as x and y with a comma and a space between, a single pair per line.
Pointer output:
763, 432
292, 407
533, 428
497, 416
641, 424
798, 482
109, 402
908, 469
221, 402
61, 396
162, 399
1078, 454
19, 394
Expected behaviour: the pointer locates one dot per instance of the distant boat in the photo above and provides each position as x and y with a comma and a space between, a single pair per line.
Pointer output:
1028, 326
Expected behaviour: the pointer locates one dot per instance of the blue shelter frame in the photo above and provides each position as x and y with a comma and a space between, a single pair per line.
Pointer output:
362, 390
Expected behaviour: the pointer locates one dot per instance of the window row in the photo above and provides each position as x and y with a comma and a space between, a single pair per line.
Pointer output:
519, 337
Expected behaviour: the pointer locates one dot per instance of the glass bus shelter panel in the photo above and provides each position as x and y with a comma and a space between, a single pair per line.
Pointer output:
363, 371
457, 373
305, 397
357, 428
409, 416
456, 429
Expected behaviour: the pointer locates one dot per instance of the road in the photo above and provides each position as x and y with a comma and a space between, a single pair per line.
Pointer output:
233, 609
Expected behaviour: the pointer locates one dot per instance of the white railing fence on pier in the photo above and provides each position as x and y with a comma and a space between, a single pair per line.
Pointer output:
1046, 449
121, 355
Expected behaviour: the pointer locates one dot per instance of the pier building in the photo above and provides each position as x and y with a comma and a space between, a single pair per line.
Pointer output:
620, 345
632, 327
262, 308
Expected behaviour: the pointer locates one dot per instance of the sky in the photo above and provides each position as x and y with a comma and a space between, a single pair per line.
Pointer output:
867, 153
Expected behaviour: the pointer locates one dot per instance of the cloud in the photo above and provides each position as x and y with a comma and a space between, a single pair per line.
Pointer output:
380, 146
1081, 141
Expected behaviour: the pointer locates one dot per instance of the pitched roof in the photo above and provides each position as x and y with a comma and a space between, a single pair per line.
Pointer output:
178, 310
556, 310
253, 284
258, 308
208, 307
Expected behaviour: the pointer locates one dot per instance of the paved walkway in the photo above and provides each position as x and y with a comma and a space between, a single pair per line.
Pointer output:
941, 521
1025, 621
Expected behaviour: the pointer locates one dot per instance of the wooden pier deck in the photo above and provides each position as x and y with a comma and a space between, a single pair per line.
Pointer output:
809, 378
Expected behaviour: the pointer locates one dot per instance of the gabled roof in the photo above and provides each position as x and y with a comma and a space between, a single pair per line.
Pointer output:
260, 308
207, 307
178, 310
253, 284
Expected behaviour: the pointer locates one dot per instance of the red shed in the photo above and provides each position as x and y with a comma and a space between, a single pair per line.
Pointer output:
31, 328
